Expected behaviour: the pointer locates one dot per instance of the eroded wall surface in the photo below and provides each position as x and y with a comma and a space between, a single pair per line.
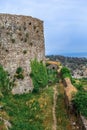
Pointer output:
21, 40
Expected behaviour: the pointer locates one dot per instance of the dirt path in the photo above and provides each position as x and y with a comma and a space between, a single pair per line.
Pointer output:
54, 127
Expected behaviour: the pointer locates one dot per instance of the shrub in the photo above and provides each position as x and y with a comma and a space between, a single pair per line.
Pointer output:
79, 86
19, 73
52, 76
73, 81
39, 75
65, 72
4, 81
80, 102
19, 70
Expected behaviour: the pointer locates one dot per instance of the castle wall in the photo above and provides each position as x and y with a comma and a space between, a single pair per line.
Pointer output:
68, 91
21, 40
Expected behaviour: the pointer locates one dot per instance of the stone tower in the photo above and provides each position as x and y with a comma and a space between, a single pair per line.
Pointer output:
21, 40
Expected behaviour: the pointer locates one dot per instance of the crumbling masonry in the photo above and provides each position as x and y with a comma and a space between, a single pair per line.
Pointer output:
21, 40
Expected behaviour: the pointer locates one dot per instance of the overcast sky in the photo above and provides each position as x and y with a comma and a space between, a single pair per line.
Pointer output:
65, 22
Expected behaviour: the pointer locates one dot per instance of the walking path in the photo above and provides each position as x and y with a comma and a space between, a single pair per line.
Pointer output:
54, 127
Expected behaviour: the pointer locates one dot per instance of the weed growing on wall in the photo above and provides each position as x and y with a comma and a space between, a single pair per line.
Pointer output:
19, 73
4, 81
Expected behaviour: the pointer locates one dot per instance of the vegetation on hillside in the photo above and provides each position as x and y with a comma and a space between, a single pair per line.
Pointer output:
65, 73
33, 111
80, 98
83, 81
38, 75
41, 75
52, 76
80, 102
30, 111
5, 84
76, 65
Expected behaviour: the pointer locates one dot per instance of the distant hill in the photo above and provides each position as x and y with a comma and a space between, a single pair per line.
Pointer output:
72, 54
78, 66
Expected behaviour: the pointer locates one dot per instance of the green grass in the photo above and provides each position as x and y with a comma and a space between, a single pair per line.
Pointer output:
30, 111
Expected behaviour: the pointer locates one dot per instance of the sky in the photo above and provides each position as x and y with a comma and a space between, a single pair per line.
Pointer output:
65, 22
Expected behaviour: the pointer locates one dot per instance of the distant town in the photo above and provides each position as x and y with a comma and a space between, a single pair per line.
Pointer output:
77, 66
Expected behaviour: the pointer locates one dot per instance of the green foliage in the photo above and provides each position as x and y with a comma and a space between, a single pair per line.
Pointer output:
80, 102
4, 81
24, 112
73, 81
65, 72
83, 82
39, 75
52, 76
29, 111
79, 86
80, 98
19, 73
19, 70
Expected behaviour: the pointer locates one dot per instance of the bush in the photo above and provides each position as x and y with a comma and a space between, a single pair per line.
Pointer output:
19, 73
79, 86
65, 72
73, 81
39, 75
19, 70
80, 102
52, 76
4, 81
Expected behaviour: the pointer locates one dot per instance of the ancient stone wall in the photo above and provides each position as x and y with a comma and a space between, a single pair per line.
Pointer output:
68, 91
21, 40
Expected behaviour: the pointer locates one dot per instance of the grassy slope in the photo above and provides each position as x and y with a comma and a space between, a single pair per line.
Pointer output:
30, 111
34, 111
